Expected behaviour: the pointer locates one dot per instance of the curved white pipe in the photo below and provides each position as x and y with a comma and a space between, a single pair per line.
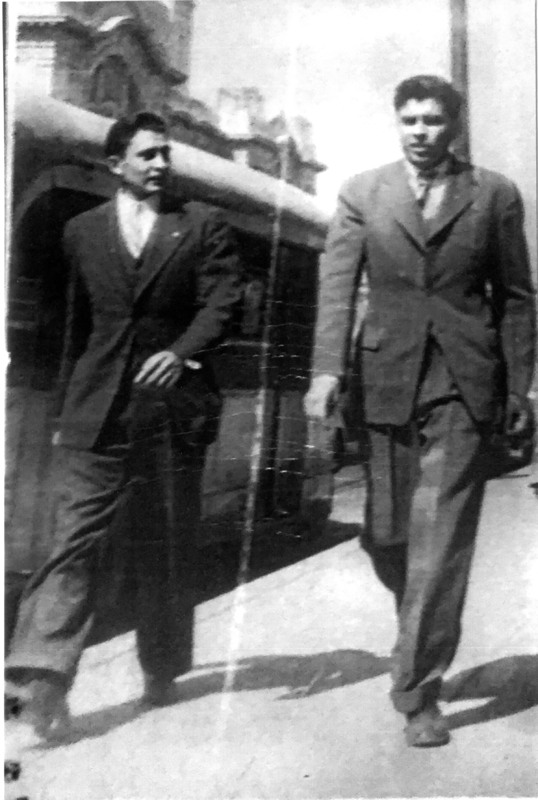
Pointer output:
77, 131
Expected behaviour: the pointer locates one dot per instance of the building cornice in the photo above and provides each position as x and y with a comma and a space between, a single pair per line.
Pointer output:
239, 141
244, 140
96, 33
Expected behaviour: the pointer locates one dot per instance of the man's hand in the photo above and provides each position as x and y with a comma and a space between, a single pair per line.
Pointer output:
321, 397
161, 369
518, 415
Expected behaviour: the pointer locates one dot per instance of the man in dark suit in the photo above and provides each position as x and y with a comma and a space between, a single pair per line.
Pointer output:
448, 338
153, 288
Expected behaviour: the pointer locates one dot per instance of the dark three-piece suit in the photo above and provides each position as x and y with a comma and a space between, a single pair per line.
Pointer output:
138, 450
448, 333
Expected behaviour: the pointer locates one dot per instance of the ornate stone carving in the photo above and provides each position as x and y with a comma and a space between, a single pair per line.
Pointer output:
115, 57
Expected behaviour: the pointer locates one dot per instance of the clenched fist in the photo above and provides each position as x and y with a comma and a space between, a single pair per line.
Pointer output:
321, 398
518, 415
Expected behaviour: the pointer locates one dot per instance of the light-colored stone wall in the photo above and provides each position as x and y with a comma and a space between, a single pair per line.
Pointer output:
502, 95
36, 57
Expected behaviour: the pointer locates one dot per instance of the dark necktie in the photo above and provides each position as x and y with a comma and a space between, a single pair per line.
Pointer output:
424, 182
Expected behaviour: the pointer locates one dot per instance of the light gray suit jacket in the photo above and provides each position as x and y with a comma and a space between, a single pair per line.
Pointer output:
463, 277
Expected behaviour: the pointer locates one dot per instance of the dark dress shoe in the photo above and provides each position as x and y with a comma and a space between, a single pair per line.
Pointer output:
159, 691
427, 727
47, 710
42, 705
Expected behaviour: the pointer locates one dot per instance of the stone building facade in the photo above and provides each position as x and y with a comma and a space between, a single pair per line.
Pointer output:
116, 57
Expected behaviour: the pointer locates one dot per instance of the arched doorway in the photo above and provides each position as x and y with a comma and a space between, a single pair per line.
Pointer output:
35, 326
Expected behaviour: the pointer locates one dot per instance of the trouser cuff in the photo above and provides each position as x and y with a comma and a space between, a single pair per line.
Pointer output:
21, 671
407, 702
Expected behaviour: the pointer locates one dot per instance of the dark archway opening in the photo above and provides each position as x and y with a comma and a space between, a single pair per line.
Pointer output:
37, 289
34, 331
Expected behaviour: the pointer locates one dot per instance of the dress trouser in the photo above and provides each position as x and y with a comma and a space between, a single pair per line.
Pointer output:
426, 483
159, 483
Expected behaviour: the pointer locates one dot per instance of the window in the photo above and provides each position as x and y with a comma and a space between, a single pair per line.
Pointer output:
113, 91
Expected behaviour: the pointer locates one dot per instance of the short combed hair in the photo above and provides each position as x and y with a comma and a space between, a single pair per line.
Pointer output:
124, 129
423, 87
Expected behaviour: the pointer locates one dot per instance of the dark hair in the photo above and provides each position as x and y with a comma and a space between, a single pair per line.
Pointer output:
124, 129
423, 87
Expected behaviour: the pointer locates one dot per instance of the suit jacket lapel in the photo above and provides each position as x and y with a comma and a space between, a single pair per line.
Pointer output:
164, 239
458, 197
403, 205
125, 259
108, 239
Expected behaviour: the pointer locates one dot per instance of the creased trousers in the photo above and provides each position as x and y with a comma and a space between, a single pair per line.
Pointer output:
425, 489
154, 484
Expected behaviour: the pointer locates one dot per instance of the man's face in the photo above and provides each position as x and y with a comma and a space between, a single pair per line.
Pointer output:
426, 132
145, 164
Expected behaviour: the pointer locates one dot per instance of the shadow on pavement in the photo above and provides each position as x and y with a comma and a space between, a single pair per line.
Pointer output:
511, 683
217, 573
271, 550
298, 676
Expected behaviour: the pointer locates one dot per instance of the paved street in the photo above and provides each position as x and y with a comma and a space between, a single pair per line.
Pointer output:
302, 711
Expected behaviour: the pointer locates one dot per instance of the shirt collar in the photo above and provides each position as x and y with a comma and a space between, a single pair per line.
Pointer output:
439, 171
129, 204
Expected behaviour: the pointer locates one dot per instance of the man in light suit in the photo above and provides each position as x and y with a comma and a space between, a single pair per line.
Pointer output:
153, 289
447, 340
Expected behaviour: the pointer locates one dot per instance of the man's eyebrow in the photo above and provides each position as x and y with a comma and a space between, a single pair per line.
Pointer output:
164, 149
426, 117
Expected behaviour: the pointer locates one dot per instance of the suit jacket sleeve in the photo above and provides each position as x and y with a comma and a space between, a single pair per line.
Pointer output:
218, 288
77, 324
514, 294
339, 278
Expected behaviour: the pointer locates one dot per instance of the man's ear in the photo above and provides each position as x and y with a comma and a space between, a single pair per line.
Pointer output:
457, 127
114, 165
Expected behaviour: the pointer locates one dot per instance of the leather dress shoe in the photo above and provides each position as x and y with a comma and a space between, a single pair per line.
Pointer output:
427, 727
159, 691
43, 707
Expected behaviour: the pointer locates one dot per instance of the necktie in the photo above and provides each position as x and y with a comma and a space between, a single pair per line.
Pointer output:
424, 182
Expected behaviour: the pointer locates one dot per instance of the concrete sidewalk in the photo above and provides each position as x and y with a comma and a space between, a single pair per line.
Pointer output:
302, 709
